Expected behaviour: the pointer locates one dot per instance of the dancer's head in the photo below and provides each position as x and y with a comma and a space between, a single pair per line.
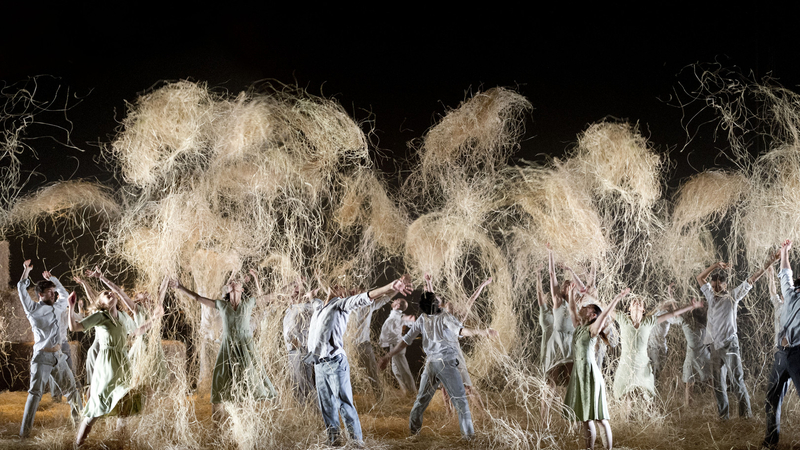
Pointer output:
636, 310
399, 304
429, 304
719, 282
107, 300
590, 312
46, 290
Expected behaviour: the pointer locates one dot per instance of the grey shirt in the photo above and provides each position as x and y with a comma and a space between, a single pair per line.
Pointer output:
329, 322
439, 335
45, 320
722, 312
362, 319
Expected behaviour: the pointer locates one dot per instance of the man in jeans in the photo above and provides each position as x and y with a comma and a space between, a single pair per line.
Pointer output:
440, 331
721, 334
47, 360
326, 351
787, 355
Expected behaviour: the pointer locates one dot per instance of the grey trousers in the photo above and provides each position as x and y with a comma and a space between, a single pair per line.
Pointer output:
442, 372
366, 359
786, 368
727, 360
44, 366
335, 396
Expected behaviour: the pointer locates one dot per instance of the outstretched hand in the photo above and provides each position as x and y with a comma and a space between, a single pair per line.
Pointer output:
402, 285
26, 268
382, 363
174, 283
46, 275
72, 299
95, 273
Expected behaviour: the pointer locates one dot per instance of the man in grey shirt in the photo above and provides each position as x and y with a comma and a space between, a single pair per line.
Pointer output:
326, 351
440, 331
721, 334
47, 360
787, 355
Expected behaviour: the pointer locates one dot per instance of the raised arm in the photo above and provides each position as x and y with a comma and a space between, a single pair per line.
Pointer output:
785, 247
576, 279
472, 299
401, 285
599, 323
74, 325
573, 306
175, 284
555, 289
486, 332
770, 261
702, 277
773, 288
428, 283
694, 305
22, 287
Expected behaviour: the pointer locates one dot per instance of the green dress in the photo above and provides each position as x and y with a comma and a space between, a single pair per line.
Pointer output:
586, 392
157, 370
237, 374
111, 379
634, 370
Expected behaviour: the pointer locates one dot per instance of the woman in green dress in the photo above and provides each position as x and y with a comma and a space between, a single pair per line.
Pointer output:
111, 381
635, 372
237, 374
586, 392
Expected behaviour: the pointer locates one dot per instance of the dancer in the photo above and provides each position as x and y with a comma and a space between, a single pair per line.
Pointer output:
787, 355
697, 363
111, 380
237, 374
145, 314
725, 356
440, 332
391, 334
326, 351
461, 315
586, 392
63, 326
47, 360
295, 337
635, 371
91, 354
657, 345
545, 320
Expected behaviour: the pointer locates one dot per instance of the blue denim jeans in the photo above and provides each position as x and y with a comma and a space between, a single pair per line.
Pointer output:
442, 372
335, 395
727, 361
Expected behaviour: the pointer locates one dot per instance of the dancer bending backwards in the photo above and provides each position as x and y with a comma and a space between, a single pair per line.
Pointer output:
440, 331
47, 361
726, 360
635, 371
586, 393
111, 380
326, 352
391, 333
787, 356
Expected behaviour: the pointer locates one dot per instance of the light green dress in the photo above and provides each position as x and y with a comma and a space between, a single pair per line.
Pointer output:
559, 345
634, 370
586, 392
157, 370
111, 379
546, 324
236, 373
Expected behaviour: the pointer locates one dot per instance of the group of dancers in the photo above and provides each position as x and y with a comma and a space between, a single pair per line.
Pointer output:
575, 325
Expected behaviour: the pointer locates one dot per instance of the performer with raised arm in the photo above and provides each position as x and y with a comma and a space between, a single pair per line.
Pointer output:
391, 334
91, 354
586, 393
326, 351
48, 360
236, 372
440, 331
787, 355
111, 380
296, 322
635, 371
722, 334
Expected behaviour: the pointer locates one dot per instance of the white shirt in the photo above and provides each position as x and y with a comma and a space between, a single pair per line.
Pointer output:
658, 339
45, 319
722, 311
790, 313
329, 322
362, 319
439, 335
392, 329
295, 325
